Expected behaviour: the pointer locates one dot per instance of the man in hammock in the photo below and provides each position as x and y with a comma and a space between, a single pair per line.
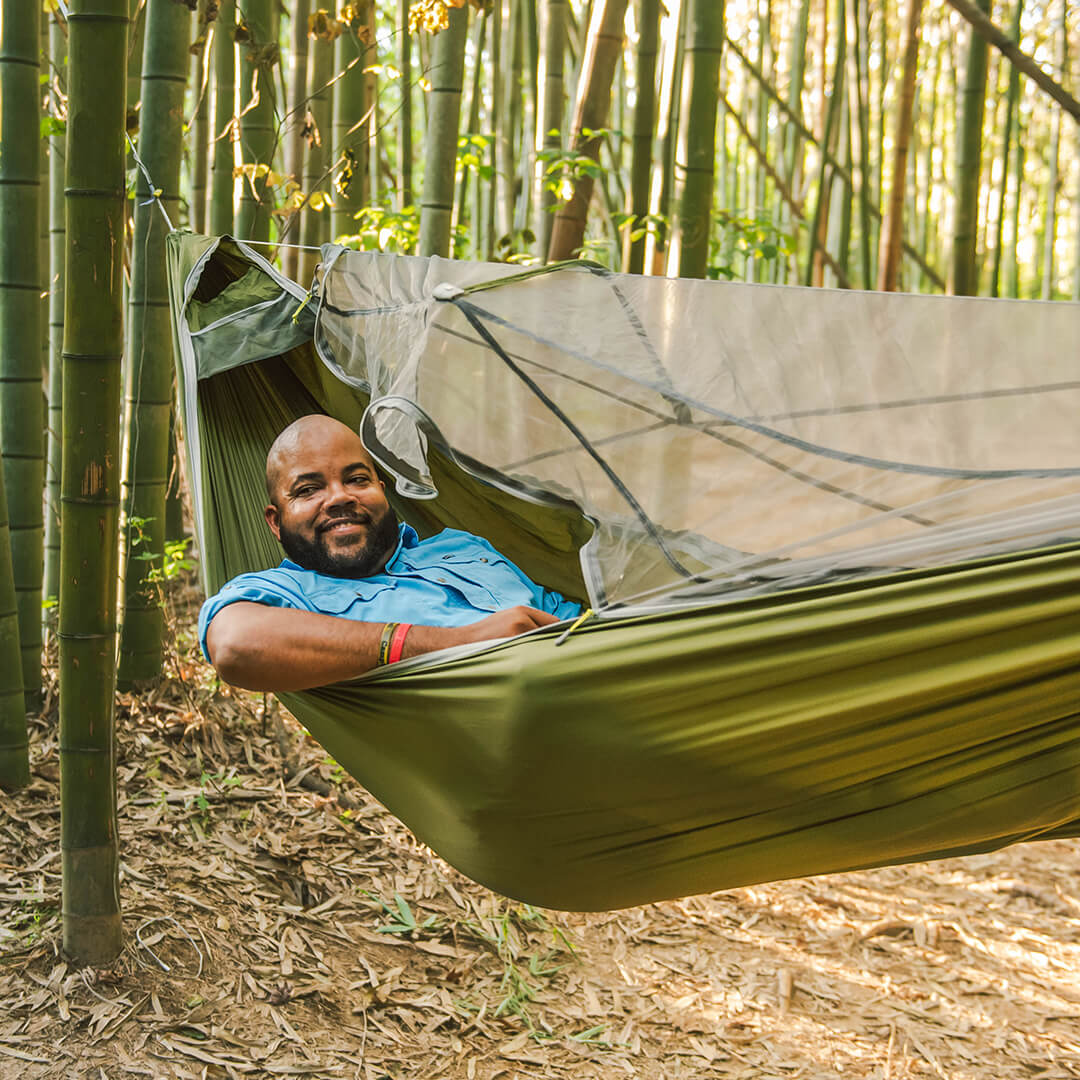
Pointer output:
357, 588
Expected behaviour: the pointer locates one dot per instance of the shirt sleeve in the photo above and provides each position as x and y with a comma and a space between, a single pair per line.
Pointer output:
542, 599
254, 588
558, 605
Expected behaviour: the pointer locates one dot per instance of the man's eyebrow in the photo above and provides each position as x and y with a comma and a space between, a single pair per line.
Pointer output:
358, 465
302, 477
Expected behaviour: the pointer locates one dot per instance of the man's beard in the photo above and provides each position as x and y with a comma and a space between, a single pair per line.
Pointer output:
379, 541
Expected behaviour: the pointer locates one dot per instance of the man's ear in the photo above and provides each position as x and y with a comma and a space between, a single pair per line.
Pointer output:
271, 515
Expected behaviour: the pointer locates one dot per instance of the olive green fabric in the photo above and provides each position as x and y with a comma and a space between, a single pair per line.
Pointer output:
919, 714
931, 715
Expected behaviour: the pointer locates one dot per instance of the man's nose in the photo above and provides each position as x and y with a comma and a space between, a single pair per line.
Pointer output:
337, 494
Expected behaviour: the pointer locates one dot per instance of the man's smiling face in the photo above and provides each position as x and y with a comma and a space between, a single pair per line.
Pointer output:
328, 508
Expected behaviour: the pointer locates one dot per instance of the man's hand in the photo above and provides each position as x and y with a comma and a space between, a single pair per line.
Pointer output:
260, 647
508, 623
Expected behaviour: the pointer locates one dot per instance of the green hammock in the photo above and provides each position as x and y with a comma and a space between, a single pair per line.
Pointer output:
838, 601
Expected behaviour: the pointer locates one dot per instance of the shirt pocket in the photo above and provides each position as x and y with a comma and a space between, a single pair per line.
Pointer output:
339, 598
486, 582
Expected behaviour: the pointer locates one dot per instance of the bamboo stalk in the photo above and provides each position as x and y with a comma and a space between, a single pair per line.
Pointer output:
510, 117
19, 32
1054, 150
405, 113
819, 222
492, 214
1012, 276
591, 108
44, 146
695, 154
527, 64
93, 342
14, 743
964, 273
551, 109
467, 183
222, 184
894, 220
663, 171
22, 420
1011, 99
149, 370
315, 214
57, 230
862, 108
648, 27
258, 57
294, 134
353, 120
200, 130
440, 144
929, 144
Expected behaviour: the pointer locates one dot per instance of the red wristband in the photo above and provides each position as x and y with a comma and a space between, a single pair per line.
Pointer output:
397, 642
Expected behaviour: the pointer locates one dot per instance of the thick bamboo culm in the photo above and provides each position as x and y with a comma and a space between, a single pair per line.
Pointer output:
648, 28
18, 79
550, 111
591, 110
964, 273
149, 370
258, 56
349, 138
440, 146
695, 153
22, 419
90, 485
14, 747
223, 151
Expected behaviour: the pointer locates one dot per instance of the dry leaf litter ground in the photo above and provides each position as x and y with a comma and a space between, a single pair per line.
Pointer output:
280, 923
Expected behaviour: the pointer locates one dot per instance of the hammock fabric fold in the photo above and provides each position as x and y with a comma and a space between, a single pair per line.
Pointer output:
771, 718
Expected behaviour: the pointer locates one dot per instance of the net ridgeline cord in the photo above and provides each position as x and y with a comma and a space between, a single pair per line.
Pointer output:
472, 314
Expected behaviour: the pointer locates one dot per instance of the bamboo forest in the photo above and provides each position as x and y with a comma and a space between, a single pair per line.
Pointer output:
668, 411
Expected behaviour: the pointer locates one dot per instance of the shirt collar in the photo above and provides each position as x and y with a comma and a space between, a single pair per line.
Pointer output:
407, 538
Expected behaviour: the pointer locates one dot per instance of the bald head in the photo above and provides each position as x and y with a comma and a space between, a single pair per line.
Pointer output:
328, 507
306, 440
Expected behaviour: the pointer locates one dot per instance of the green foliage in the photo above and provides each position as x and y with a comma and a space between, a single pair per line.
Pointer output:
404, 921
474, 152
27, 926
642, 225
515, 247
382, 229
165, 567
562, 168
52, 126
523, 971
751, 237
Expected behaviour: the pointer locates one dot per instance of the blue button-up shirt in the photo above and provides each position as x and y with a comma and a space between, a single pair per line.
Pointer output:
451, 579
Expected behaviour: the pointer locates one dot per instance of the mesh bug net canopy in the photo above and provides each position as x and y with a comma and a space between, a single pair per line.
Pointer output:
831, 540
721, 436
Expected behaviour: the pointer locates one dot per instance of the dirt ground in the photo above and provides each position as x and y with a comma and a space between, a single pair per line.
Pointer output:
279, 922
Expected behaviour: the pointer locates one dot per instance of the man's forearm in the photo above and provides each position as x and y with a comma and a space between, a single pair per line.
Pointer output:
266, 648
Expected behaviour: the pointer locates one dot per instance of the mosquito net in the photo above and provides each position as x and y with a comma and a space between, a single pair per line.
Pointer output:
720, 437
